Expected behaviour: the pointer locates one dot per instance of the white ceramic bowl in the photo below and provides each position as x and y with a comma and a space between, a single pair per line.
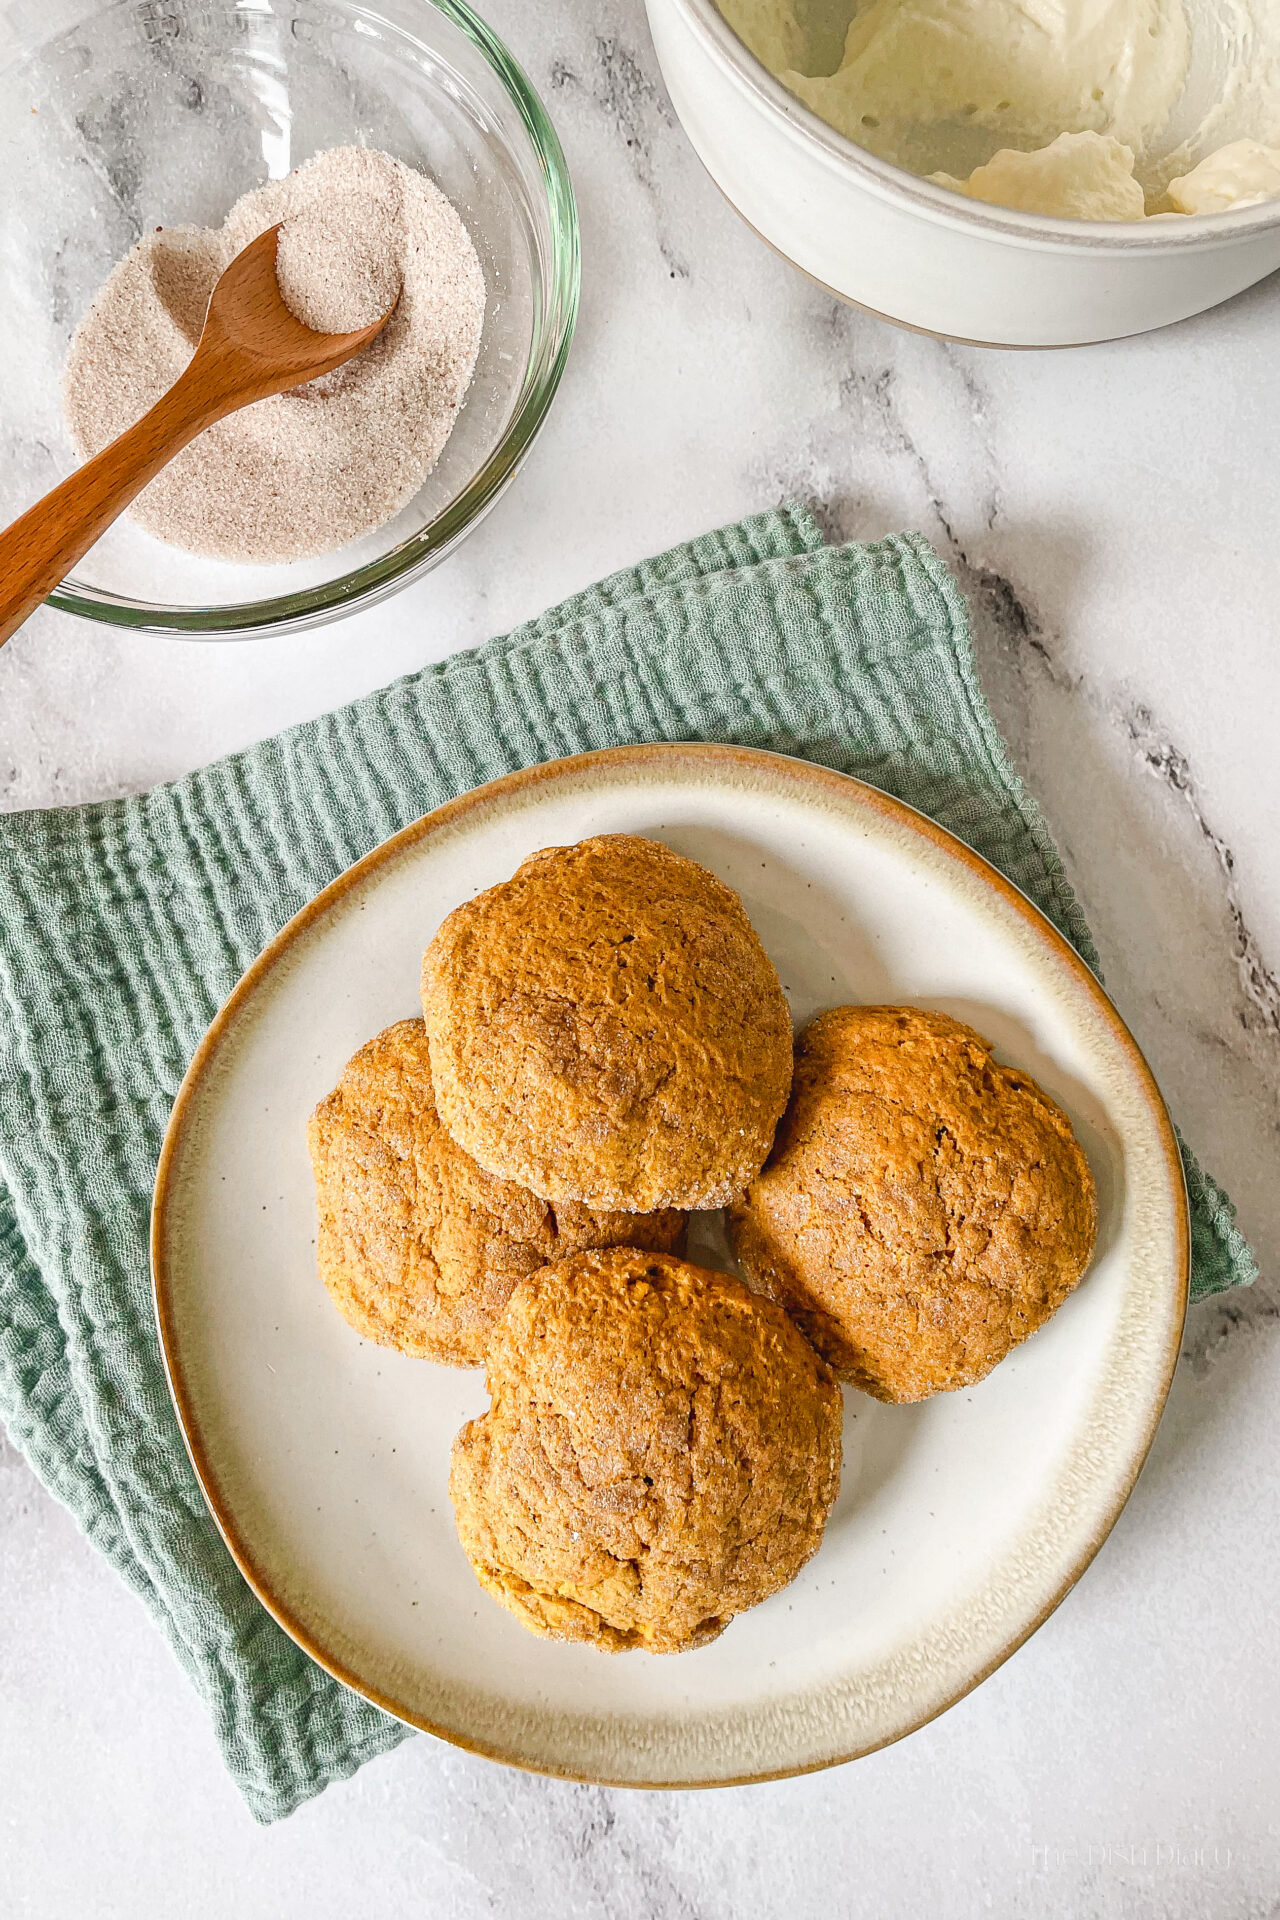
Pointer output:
919, 254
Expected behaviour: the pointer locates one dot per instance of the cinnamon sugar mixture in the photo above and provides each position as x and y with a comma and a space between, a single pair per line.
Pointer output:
307, 471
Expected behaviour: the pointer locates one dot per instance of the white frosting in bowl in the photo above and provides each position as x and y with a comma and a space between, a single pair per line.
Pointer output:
1089, 109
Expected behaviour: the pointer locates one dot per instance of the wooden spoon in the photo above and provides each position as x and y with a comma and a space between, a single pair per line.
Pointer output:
250, 348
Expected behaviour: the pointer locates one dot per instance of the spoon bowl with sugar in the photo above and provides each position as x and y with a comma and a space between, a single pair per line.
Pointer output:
251, 347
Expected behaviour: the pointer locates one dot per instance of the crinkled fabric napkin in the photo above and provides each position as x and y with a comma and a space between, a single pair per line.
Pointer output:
123, 926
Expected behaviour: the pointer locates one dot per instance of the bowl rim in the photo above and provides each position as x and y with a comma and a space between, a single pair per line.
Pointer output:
1196, 233
375, 580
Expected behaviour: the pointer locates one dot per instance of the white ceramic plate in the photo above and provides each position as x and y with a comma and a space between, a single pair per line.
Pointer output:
961, 1522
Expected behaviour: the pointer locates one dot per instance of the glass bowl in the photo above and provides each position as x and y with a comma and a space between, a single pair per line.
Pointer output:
115, 119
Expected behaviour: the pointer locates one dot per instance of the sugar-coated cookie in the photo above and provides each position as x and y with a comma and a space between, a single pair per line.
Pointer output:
923, 1209
606, 1027
662, 1451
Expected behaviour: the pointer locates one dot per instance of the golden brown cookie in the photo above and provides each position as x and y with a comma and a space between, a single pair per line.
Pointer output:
924, 1208
662, 1451
606, 1027
418, 1246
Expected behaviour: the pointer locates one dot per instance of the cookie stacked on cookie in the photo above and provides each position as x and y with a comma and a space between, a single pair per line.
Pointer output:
607, 1028
661, 1452
419, 1246
605, 1047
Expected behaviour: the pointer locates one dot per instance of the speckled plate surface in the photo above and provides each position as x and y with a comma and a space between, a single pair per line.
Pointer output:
961, 1522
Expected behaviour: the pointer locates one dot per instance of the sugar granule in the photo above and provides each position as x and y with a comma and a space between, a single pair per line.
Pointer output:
307, 471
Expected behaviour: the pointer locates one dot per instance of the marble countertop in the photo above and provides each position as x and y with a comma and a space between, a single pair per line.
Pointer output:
1113, 514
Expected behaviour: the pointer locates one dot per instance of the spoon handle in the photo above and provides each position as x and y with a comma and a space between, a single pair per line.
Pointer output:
38, 550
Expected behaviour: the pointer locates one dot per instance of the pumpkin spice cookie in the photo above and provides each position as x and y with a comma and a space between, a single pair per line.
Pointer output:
606, 1027
418, 1246
661, 1452
924, 1208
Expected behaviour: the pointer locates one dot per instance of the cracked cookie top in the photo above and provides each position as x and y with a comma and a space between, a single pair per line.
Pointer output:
661, 1452
419, 1247
923, 1209
606, 1027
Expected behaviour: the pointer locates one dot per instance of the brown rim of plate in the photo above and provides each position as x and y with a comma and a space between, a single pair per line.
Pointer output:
642, 757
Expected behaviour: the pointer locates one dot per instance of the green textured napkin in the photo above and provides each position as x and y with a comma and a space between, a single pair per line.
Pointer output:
124, 925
